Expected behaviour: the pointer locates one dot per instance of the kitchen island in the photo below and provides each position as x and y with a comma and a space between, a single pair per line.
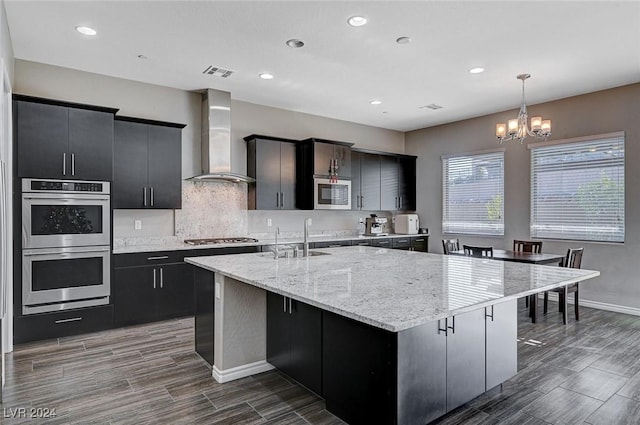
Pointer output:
383, 336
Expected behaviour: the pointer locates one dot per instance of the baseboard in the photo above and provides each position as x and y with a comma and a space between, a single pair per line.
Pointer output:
238, 372
553, 296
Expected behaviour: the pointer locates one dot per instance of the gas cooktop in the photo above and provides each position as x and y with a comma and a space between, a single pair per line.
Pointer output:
213, 241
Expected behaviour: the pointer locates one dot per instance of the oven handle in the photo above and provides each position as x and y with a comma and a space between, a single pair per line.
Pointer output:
63, 253
62, 198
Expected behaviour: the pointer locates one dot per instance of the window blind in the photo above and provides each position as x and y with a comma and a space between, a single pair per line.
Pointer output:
577, 190
473, 194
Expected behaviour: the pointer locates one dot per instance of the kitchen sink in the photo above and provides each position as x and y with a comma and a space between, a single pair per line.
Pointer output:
283, 254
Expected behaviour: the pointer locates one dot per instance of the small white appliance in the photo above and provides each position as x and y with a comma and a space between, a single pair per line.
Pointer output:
407, 224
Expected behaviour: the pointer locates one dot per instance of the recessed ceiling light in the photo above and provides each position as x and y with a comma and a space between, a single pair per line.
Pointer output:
403, 40
357, 21
375, 102
294, 43
477, 70
266, 76
142, 57
86, 30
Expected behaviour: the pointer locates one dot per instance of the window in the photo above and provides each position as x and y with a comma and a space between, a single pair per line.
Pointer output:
473, 193
577, 189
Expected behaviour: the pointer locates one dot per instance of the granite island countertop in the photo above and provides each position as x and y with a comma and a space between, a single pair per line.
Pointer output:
392, 289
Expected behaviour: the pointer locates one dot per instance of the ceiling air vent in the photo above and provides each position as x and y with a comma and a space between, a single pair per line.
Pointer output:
217, 71
431, 106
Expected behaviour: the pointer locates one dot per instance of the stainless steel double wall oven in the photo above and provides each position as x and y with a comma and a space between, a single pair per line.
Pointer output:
66, 247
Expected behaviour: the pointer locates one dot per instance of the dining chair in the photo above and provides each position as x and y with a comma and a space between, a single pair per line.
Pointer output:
534, 247
572, 260
527, 246
449, 245
478, 251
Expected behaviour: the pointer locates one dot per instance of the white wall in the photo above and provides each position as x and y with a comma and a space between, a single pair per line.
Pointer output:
167, 104
596, 113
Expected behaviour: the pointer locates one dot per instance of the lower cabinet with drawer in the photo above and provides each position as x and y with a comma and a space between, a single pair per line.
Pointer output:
41, 326
331, 244
152, 286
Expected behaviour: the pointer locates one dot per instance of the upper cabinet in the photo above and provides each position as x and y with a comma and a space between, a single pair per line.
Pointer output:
365, 181
61, 140
397, 183
272, 162
330, 158
147, 166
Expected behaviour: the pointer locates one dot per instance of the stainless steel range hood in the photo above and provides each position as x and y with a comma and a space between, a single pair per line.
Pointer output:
216, 139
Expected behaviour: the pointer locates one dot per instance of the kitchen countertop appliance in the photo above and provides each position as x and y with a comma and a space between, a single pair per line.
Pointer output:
407, 224
376, 226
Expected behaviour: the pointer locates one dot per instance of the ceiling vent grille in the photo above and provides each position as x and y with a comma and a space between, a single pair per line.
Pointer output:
431, 106
217, 71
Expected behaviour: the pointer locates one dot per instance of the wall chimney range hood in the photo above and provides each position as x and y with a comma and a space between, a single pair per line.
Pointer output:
216, 139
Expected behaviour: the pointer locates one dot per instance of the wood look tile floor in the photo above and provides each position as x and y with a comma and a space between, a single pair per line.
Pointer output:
587, 372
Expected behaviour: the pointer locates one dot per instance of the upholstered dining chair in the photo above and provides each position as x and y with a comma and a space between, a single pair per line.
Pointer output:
573, 260
449, 245
478, 251
527, 246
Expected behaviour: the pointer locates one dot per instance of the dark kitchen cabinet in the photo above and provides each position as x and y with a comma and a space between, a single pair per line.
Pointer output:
501, 347
147, 164
152, 286
272, 162
381, 242
294, 340
401, 243
204, 313
420, 243
331, 157
397, 183
61, 140
331, 244
365, 181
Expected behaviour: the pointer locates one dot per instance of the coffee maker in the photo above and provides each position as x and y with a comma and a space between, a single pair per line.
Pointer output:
376, 226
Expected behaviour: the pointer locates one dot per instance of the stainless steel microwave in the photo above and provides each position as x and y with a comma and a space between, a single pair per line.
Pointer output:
330, 195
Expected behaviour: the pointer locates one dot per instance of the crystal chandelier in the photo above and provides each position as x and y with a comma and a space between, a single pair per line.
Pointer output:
517, 129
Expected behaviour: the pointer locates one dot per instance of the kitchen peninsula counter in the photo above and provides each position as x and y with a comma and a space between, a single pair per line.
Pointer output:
413, 334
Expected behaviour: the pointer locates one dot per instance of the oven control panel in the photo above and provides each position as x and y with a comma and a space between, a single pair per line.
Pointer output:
35, 185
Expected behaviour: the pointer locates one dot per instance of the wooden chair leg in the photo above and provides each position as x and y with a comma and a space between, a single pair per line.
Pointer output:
533, 308
526, 301
546, 301
576, 305
560, 302
564, 305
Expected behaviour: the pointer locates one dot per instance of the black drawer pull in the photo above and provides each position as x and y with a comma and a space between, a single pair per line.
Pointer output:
334, 246
73, 319
383, 242
161, 257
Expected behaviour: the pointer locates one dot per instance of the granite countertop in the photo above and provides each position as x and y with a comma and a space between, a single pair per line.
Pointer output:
173, 243
392, 289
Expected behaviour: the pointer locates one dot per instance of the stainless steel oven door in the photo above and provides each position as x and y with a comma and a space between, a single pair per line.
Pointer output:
331, 196
64, 219
59, 278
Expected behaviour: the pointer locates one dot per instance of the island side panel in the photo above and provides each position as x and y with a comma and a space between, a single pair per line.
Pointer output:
204, 317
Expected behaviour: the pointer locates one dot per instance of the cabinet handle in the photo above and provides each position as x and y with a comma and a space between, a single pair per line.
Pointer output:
64, 163
440, 329
488, 315
73, 319
289, 305
453, 322
277, 199
144, 195
154, 278
73, 164
151, 192
400, 203
281, 199
161, 277
284, 304
160, 257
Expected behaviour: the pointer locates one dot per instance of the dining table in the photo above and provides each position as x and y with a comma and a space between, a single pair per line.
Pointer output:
542, 258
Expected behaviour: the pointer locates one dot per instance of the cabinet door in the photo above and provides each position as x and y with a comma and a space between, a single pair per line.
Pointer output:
370, 191
465, 358
407, 184
165, 167
134, 298
267, 174
43, 138
204, 314
287, 176
278, 332
91, 144
420, 243
175, 291
129, 165
344, 157
306, 346
502, 351
322, 156
384, 243
355, 180
401, 243
388, 183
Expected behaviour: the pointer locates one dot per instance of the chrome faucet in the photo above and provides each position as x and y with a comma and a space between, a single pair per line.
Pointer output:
305, 247
275, 248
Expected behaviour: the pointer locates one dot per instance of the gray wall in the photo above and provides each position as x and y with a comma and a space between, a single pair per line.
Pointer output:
166, 104
595, 113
